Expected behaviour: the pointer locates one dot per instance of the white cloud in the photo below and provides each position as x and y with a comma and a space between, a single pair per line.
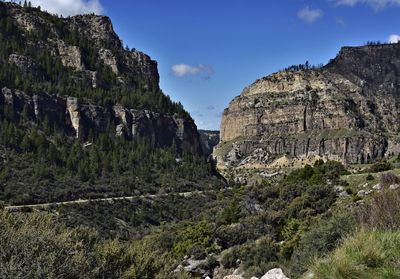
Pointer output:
69, 7
181, 70
394, 39
309, 15
375, 4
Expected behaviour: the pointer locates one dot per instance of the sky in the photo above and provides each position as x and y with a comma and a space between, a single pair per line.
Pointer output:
209, 50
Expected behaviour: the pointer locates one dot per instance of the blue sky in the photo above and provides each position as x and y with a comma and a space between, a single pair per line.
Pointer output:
209, 50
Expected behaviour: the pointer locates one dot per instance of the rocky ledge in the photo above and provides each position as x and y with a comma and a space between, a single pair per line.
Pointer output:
347, 110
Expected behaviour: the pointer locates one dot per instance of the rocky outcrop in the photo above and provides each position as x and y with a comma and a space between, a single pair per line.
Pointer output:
109, 59
79, 118
70, 56
209, 139
346, 111
23, 63
129, 66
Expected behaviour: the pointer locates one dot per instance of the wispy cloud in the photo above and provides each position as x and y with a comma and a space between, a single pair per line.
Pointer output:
196, 113
181, 70
210, 107
340, 21
309, 15
375, 4
70, 7
394, 39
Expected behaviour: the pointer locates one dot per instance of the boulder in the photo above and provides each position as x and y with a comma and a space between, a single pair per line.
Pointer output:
275, 273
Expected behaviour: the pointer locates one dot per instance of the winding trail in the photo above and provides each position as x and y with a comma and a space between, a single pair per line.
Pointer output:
128, 198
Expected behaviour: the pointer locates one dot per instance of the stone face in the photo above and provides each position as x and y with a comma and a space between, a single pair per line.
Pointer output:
70, 56
98, 28
74, 114
109, 59
209, 139
346, 111
78, 118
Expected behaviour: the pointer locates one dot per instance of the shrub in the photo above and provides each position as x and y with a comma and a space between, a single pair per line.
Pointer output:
194, 239
35, 246
380, 167
382, 213
388, 178
370, 177
257, 255
323, 236
230, 214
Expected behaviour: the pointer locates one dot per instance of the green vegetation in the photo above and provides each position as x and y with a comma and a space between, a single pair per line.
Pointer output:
379, 167
39, 167
373, 251
368, 254
35, 246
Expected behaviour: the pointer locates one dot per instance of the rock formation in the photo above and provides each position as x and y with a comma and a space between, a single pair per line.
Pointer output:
84, 52
209, 139
347, 110
79, 118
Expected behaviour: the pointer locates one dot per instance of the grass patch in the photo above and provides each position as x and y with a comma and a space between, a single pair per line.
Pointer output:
366, 255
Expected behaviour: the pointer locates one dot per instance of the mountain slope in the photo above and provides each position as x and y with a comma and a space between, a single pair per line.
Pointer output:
83, 117
75, 72
346, 111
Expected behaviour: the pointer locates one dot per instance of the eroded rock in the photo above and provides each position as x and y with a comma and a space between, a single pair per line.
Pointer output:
346, 111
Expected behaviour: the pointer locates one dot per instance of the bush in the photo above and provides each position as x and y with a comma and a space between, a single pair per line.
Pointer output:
380, 167
370, 177
260, 254
194, 239
323, 236
35, 246
382, 213
388, 178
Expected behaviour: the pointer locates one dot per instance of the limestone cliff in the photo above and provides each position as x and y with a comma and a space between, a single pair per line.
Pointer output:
78, 118
347, 110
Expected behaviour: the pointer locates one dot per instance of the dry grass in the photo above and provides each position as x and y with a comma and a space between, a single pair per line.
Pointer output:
367, 255
388, 178
382, 212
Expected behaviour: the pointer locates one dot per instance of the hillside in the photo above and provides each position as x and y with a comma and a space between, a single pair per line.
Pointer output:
347, 110
75, 74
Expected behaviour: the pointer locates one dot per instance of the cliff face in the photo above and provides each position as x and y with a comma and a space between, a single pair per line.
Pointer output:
93, 60
78, 119
209, 139
347, 111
